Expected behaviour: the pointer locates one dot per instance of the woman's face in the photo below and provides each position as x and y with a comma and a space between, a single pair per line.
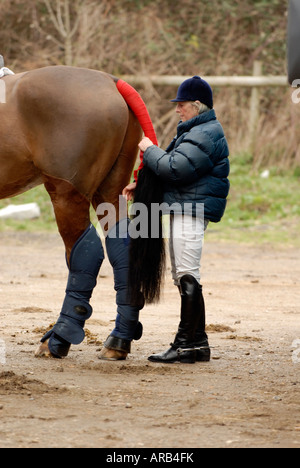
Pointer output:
186, 110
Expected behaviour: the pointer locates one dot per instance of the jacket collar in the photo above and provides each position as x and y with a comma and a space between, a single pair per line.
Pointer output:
198, 120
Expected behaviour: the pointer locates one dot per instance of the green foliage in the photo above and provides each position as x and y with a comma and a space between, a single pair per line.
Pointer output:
260, 209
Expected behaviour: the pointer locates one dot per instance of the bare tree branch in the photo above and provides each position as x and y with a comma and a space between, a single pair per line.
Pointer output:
51, 14
62, 30
61, 18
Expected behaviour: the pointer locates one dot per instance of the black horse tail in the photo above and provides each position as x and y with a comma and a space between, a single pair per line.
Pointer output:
147, 254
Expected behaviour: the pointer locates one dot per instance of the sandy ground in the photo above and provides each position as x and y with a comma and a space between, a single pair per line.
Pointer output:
247, 396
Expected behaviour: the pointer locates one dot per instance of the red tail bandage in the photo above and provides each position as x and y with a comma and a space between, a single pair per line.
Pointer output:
138, 107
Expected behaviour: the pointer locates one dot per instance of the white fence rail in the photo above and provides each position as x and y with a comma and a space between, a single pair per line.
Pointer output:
217, 81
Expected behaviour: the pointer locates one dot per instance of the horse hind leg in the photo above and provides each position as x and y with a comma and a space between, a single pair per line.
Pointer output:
84, 254
127, 325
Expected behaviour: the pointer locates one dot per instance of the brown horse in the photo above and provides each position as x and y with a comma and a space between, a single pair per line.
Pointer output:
71, 130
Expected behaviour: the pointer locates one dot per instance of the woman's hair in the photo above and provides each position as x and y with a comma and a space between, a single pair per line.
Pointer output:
200, 106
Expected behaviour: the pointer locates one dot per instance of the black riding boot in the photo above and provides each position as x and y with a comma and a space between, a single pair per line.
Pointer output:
201, 339
184, 349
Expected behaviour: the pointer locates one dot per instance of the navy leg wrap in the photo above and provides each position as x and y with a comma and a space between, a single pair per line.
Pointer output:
127, 325
85, 261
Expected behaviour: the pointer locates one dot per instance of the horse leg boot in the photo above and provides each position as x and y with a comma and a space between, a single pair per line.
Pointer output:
85, 261
127, 325
183, 349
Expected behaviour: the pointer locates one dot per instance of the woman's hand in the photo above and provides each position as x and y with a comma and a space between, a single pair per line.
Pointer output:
128, 191
145, 144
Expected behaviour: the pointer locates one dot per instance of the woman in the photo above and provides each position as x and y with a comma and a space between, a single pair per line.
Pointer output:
195, 170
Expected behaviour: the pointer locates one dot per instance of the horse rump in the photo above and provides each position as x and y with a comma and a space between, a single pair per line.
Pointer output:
147, 253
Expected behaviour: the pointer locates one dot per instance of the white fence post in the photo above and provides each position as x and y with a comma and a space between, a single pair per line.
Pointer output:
254, 108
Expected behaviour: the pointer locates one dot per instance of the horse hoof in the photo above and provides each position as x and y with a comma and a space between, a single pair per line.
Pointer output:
43, 351
107, 354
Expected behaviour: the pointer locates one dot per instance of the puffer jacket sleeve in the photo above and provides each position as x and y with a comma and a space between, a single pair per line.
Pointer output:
186, 163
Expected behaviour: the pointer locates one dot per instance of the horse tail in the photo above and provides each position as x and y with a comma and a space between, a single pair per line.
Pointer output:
147, 255
138, 107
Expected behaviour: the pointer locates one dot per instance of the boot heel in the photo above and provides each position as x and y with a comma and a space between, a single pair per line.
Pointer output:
203, 355
187, 356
